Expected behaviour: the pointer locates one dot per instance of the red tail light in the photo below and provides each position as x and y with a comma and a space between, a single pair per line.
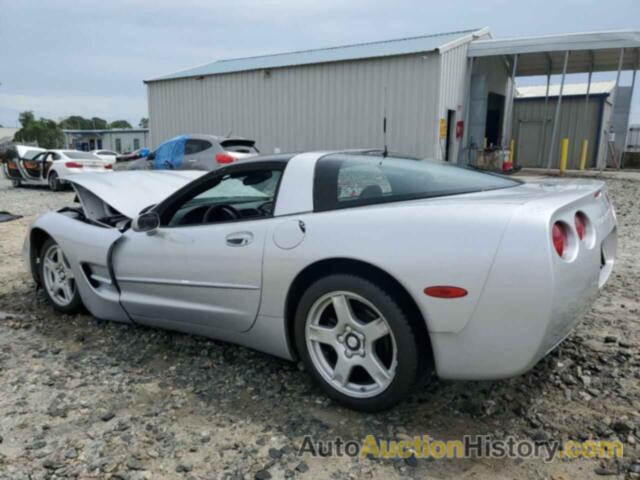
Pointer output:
109, 166
581, 225
559, 237
444, 291
73, 165
224, 158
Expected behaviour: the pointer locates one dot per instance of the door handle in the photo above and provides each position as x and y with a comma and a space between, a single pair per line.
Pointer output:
240, 239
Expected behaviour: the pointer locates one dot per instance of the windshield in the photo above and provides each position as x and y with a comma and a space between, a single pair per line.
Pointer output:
77, 155
346, 180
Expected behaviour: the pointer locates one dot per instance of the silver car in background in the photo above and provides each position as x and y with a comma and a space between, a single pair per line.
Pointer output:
197, 152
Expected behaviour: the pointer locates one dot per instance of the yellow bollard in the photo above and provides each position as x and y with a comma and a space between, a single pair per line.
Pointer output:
564, 154
583, 154
511, 147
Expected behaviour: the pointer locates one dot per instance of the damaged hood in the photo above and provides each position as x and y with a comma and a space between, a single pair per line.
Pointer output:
127, 192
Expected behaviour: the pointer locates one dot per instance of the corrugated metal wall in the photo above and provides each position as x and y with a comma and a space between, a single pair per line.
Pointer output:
633, 139
575, 124
332, 105
453, 67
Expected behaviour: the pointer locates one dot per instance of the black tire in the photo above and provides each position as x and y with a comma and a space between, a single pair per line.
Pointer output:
15, 183
409, 359
75, 305
54, 182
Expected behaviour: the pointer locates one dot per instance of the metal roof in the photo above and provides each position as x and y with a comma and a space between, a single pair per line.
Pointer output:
401, 46
107, 130
598, 51
570, 89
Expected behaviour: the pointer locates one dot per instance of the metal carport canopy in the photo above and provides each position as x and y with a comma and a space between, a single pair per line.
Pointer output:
541, 55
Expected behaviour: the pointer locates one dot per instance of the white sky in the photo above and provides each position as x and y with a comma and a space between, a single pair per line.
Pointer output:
90, 57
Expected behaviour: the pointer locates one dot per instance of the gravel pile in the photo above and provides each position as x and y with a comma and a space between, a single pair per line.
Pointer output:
83, 398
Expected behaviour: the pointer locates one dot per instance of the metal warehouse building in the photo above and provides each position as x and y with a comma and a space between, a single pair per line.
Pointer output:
443, 95
582, 117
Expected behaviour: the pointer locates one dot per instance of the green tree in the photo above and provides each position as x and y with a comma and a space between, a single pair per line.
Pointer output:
144, 122
46, 133
99, 123
77, 122
120, 124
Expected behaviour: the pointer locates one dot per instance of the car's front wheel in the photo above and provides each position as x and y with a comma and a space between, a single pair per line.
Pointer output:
357, 342
58, 279
16, 183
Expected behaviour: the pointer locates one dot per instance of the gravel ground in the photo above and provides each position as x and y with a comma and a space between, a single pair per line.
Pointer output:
82, 398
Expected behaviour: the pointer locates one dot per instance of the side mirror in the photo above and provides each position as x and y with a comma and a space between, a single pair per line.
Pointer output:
146, 222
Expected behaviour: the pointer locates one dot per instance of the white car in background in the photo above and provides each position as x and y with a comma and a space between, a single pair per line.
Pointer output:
12, 158
108, 156
50, 167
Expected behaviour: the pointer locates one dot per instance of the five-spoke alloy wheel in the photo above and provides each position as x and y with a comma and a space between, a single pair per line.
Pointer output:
357, 342
58, 279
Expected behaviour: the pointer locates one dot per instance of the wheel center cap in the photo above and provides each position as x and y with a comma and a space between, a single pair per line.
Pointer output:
352, 342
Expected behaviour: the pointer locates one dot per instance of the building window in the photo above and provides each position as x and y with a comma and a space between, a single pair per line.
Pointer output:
118, 145
136, 143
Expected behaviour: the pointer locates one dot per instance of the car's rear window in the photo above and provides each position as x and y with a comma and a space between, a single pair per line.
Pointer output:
77, 155
347, 180
240, 146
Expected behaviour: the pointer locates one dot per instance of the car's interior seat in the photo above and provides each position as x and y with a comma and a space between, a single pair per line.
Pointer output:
371, 191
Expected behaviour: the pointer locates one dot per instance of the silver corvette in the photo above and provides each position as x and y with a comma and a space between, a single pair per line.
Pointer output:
372, 270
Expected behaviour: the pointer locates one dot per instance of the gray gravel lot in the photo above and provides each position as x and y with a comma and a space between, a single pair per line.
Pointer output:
83, 398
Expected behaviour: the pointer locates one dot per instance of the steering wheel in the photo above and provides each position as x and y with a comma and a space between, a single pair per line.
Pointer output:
266, 208
220, 213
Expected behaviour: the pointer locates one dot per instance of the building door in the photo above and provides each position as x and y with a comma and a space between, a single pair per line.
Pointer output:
493, 125
451, 134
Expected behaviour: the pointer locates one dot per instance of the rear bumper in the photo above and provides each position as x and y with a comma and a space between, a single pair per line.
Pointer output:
526, 310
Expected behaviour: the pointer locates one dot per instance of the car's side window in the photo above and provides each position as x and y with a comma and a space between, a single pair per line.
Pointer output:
196, 146
245, 195
364, 180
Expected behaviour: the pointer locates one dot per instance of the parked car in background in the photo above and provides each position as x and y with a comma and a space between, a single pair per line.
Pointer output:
50, 167
108, 156
372, 269
196, 152
136, 154
13, 159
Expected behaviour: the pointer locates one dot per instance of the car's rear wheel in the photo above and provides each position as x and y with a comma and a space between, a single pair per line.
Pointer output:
15, 183
58, 279
357, 342
54, 182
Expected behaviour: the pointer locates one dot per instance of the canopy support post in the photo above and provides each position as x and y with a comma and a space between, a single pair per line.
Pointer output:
506, 125
603, 164
543, 135
556, 116
633, 85
586, 120
465, 125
